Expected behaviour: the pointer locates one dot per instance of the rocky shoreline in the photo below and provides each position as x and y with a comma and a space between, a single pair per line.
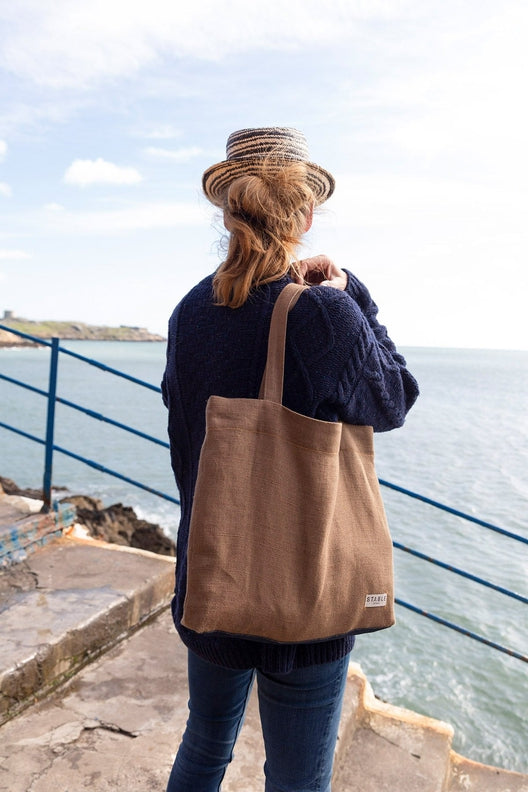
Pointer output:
117, 524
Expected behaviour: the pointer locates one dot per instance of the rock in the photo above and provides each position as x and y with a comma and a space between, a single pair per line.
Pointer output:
85, 503
120, 525
116, 523
10, 488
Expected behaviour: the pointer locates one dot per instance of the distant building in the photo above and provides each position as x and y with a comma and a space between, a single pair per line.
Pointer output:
9, 314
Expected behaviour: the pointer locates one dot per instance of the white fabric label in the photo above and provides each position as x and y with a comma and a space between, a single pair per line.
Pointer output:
375, 600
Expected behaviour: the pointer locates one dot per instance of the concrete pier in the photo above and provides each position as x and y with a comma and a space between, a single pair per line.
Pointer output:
94, 695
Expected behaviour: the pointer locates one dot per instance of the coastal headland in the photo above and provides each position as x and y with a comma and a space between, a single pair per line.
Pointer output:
69, 330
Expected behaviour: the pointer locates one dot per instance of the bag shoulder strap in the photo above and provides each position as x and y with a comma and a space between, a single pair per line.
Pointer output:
273, 377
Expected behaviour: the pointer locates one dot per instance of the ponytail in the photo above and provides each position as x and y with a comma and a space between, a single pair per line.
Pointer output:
266, 215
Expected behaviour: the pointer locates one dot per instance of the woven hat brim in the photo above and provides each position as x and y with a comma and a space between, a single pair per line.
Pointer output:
218, 177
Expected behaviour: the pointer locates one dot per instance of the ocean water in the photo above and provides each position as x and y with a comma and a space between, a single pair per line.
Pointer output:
465, 444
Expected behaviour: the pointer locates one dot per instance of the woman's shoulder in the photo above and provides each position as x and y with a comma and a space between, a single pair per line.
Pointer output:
329, 306
325, 324
200, 294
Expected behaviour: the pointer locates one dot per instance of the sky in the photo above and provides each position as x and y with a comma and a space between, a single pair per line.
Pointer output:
111, 110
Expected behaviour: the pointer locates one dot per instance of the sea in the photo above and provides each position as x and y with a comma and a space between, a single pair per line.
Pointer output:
464, 444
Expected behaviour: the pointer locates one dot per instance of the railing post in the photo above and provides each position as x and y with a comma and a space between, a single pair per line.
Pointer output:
50, 423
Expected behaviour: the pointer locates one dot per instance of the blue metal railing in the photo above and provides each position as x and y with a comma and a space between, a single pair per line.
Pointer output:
50, 448
53, 399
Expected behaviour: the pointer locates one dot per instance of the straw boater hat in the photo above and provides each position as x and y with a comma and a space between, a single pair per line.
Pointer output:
247, 148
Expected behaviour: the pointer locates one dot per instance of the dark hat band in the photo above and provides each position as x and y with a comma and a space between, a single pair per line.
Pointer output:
268, 141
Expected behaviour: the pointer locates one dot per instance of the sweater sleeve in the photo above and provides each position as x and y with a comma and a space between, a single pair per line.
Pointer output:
375, 387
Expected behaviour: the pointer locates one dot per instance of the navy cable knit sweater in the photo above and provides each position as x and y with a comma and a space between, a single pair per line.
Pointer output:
340, 366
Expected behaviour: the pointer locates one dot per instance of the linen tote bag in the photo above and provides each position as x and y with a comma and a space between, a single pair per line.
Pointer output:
288, 537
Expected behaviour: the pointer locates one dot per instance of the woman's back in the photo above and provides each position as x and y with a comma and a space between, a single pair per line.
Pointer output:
340, 365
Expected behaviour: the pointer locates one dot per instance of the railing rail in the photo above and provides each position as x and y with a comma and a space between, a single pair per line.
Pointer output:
456, 512
87, 411
51, 395
51, 447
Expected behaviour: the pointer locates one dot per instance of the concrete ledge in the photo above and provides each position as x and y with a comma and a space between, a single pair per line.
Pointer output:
117, 724
392, 749
65, 604
388, 748
468, 776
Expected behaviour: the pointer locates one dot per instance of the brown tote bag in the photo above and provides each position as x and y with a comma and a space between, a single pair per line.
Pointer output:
288, 537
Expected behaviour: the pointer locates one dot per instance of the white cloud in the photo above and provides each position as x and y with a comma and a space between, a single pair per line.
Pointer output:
35, 110
5, 189
472, 105
14, 255
164, 132
176, 155
3, 149
71, 43
460, 226
85, 172
144, 217
435, 253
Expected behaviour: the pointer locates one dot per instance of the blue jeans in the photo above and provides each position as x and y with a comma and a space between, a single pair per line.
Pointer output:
299, 713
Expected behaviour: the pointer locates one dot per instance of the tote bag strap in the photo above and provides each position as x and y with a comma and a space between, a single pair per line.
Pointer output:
273, 377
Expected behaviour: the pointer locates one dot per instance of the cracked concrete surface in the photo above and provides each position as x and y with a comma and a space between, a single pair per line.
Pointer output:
107, 728
117, 723
65, 604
